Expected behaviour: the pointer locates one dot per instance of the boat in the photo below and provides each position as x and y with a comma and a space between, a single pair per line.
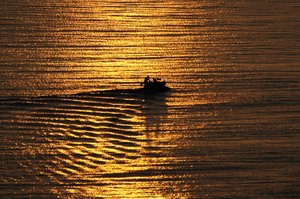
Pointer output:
154, 86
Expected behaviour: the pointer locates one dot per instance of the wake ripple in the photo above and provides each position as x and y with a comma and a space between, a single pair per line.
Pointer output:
66, 139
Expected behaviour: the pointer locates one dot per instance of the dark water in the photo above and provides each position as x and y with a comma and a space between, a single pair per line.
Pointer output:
73, 123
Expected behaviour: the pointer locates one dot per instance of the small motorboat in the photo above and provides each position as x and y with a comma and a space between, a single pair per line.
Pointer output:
154, 86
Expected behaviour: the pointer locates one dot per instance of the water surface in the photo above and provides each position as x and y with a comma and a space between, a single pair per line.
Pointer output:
72, 123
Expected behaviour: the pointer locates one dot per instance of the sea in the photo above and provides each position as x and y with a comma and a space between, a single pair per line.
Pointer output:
75, 124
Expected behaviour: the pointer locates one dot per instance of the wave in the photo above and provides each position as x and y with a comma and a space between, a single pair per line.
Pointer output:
63, 137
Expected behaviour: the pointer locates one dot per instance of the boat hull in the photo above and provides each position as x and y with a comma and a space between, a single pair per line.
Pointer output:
156, 87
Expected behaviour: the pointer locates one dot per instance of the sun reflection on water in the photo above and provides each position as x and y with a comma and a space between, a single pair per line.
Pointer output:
111, 145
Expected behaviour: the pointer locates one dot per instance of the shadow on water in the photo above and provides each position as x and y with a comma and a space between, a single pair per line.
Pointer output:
155, 111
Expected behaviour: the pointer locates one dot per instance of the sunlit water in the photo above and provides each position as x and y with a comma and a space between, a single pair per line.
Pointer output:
73, 123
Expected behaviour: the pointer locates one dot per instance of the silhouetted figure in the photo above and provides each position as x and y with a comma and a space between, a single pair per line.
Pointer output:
147, 79
154, 80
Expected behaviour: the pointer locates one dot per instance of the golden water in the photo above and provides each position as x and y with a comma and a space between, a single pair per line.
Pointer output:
73, 124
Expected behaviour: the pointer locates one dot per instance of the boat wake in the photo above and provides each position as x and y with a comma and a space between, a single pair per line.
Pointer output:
80, 138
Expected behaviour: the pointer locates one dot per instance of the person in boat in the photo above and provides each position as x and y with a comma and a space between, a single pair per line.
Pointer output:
147, 79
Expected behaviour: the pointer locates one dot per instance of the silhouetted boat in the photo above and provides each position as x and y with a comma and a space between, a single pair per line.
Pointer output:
155, 86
